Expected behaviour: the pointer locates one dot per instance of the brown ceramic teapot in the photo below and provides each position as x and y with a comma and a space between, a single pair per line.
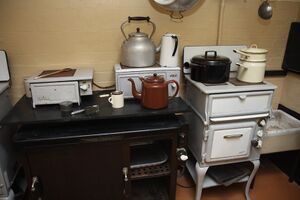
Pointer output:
154, 94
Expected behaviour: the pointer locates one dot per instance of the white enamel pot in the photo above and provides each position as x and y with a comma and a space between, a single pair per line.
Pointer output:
252, 54
251, 72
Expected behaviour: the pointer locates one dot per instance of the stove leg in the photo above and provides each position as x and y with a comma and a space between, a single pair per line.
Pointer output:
200, 171
256, 164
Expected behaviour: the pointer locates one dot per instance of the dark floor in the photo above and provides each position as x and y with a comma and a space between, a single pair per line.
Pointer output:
270, 183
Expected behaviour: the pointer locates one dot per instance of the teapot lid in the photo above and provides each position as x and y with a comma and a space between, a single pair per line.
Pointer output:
154, 79
138, 34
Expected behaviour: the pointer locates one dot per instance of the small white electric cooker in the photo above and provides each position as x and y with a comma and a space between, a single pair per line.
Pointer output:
6, 156
227, 122
123, 73
59, 87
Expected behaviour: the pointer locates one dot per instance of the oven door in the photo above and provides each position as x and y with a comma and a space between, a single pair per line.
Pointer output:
229, 141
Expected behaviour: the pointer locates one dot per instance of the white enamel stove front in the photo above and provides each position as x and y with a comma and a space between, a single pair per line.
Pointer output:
7, 160
226, 124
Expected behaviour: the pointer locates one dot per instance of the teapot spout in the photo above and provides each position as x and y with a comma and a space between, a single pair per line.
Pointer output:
135, 93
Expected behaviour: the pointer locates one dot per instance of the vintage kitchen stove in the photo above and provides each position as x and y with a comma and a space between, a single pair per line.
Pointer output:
227, 122
123, 73
7, 160
67, 85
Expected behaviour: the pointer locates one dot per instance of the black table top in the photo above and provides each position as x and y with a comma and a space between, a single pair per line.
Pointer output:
73, 131
23, 113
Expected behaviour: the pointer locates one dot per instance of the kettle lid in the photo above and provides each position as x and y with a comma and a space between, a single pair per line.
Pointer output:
138, 33
154, 79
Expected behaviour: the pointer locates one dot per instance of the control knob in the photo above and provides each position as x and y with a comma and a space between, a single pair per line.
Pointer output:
260, 133
257, 143
182, 154
84, 86
262, 123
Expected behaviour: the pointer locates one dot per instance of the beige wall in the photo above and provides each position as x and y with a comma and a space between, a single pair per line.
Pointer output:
52, 34
291, 92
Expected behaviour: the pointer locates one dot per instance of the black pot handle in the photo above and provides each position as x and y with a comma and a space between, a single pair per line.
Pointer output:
176, 44
186, 65
138, 18
215, 53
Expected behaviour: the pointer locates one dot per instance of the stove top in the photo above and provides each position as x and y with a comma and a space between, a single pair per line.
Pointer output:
233, 85
79, 74
230, 86
127, 67
157, 67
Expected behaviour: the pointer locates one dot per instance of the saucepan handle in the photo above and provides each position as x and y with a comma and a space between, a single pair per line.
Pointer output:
240, 52
177, 88
242, 66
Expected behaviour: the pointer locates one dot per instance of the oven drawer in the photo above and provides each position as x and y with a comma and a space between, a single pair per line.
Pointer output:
233, 104
54, 93
229, 141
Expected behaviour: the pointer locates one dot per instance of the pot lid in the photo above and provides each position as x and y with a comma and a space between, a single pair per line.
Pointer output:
154, 79
210, 58
138, 34
254, 50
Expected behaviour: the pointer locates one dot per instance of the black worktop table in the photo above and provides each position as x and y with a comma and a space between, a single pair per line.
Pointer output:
24, 114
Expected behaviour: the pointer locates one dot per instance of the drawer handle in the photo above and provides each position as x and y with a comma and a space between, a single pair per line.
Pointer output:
243, 97
233, 136
126, 182
34, 183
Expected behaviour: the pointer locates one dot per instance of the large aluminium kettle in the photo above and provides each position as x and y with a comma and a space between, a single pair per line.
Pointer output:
154, 94
138, 50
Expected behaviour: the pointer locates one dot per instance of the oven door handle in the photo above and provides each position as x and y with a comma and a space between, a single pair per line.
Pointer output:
233, 136
232, 118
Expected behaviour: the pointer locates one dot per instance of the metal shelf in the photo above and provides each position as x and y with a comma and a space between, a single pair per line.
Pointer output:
150, 171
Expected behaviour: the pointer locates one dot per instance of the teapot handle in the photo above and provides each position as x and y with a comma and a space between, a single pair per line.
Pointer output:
177, 88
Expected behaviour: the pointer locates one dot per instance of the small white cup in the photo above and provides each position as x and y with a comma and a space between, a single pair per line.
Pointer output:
116, 99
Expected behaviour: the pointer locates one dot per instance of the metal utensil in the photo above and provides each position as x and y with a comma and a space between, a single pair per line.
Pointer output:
265, 10
87, 110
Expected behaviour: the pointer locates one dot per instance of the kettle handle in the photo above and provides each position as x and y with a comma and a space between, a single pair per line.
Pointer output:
176, 44
177, 88
138, 18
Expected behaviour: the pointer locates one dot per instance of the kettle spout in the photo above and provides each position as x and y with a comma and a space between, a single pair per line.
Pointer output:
135, 93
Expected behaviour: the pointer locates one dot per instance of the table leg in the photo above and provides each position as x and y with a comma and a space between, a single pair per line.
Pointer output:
256, 164
200, 175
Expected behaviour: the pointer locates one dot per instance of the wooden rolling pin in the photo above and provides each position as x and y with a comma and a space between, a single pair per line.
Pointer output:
52, 73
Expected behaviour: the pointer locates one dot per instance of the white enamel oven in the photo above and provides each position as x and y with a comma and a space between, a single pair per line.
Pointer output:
227, 126
224, 142
227, 121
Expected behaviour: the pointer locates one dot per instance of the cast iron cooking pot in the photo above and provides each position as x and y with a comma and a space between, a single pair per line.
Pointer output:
210, 68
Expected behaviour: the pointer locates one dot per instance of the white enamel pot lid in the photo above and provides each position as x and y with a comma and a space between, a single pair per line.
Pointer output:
253, 49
